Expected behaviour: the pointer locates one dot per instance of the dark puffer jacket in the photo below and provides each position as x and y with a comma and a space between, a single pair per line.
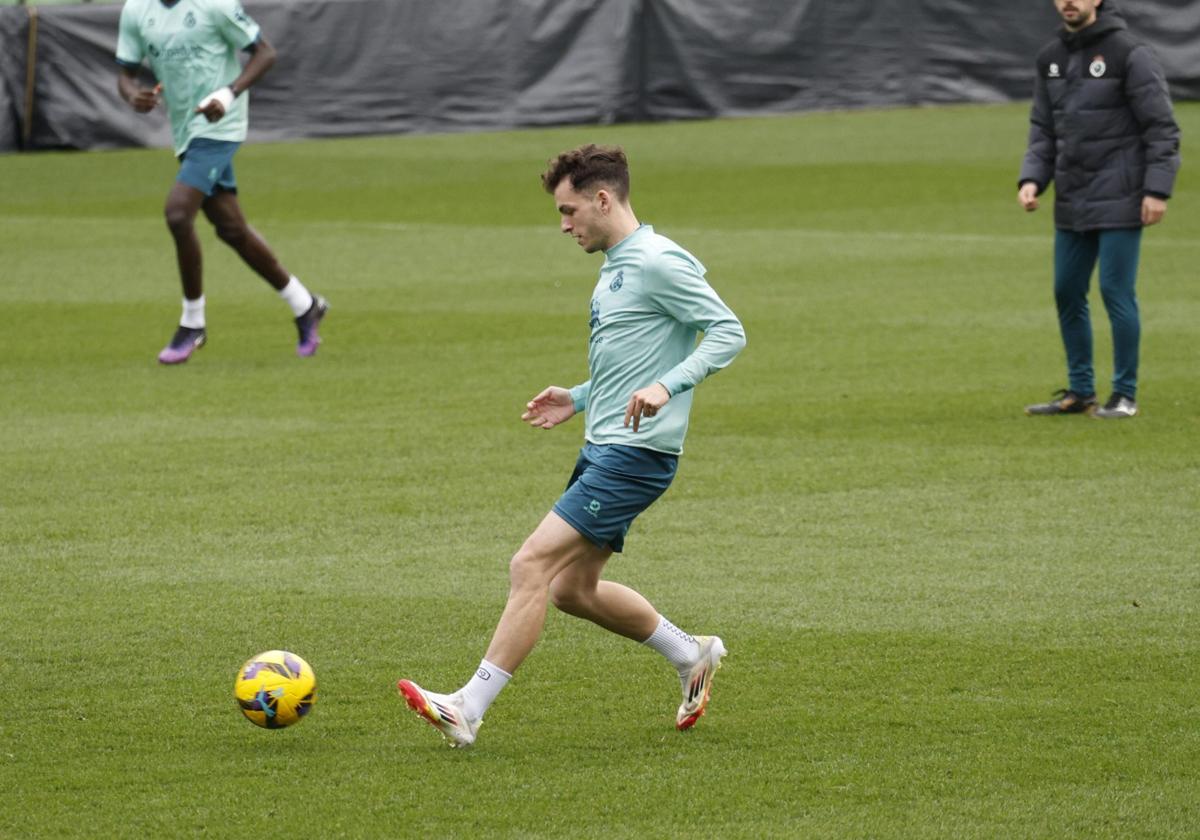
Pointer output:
1101, 128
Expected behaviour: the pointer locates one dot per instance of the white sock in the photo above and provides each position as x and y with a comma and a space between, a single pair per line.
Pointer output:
296, 296
193, 313
679, 647
479, 693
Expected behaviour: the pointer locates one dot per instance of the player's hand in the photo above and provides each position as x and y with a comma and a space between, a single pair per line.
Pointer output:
216, 104
549, 408
1027, 196
1153, 210
645, 403
146, 99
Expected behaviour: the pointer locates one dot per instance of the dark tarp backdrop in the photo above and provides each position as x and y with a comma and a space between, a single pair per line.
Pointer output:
14, 35
351, 67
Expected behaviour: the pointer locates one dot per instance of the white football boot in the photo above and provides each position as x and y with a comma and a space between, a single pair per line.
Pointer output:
697, 682
443, 711
1117, 407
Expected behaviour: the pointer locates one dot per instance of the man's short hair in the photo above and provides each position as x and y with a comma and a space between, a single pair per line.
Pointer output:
590, 167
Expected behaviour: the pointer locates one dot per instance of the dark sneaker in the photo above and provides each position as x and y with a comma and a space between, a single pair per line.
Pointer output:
1118, 406
1065, 402
308, 325
185, 342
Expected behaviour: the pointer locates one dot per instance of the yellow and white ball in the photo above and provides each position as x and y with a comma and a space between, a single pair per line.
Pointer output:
275, 689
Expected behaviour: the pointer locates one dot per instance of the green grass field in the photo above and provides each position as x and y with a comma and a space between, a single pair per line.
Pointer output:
945, 619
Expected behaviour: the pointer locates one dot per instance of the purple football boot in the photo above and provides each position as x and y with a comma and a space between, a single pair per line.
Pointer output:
185, 342
308, 325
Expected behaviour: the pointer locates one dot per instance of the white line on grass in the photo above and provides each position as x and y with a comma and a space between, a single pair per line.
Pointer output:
812, 233
548, 230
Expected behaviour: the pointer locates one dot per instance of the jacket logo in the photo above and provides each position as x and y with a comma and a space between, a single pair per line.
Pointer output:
617, 282
1097, 67
190, 21
1054, 74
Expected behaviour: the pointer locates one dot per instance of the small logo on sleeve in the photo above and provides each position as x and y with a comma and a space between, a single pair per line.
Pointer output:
1054, 71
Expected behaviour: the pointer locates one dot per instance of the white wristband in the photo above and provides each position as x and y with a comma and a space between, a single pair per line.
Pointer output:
224, 96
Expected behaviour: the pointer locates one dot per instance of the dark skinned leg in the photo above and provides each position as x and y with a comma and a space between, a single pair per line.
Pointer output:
183, 203
225, 213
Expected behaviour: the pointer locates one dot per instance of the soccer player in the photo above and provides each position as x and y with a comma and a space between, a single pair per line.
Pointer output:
1103, 130
649, 305
191, 47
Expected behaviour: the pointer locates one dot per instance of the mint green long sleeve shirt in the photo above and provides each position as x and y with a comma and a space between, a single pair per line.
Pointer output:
648, 308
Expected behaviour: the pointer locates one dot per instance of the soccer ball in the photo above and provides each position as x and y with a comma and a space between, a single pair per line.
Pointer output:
275, 689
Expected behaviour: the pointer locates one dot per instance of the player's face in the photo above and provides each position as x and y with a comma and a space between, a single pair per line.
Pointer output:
1077, 14
584, 216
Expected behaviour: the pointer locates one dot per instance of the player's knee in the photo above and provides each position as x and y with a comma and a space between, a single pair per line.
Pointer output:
527, 569
566, 597
232, 235
179, 219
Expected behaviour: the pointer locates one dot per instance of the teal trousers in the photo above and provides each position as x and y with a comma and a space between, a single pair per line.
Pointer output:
1075, 257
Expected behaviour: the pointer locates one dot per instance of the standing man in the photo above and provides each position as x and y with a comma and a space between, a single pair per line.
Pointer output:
649, 305
192, 46
1103, 130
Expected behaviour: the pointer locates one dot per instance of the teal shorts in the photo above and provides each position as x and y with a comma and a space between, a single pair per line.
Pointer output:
207, 165
610, 486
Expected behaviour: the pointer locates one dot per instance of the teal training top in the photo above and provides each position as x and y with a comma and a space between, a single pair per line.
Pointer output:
648, 307
192, 49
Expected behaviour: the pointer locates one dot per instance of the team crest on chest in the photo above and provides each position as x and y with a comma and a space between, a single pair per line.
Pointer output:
617, 282
1097, 67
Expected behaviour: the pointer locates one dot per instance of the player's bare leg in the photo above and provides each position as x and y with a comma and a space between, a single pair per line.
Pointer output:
183, 203
225, 212
552, 547
557, 563
578, 590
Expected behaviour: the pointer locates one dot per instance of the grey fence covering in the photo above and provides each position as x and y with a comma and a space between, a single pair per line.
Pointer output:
382, 66
13, 37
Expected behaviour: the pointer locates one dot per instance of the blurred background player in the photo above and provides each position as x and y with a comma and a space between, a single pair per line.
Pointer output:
191, 47
649, 305
1102, 128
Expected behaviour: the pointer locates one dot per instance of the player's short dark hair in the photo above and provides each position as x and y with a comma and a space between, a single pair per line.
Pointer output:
590, 167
